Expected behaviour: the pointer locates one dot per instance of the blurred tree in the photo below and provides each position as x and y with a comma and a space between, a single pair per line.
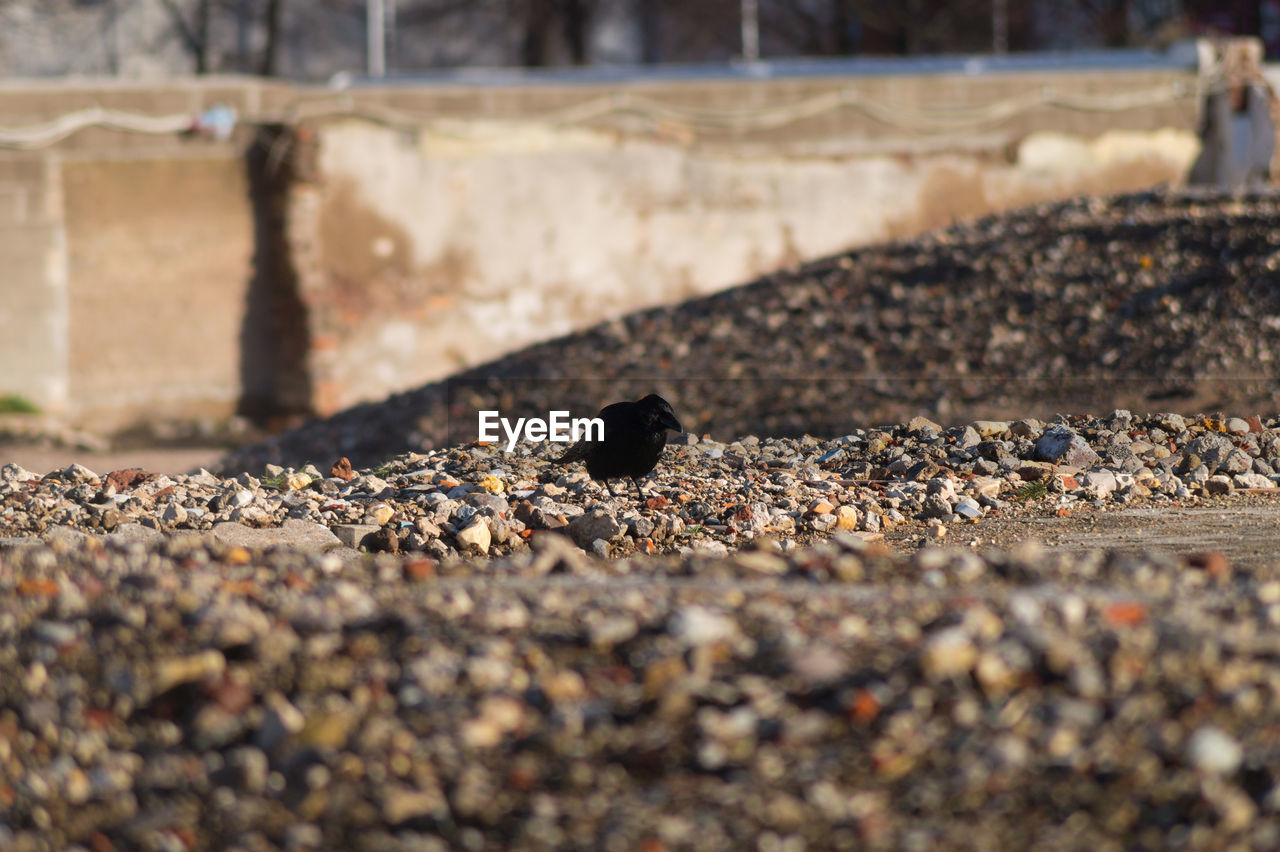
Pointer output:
194, 23
192, 28
1109, 19
909, 27
538, 33
317, 38
273, 16
707, 31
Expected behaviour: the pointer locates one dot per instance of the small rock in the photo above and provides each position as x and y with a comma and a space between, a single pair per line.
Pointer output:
1253, 480
122, 533
16, 473
75, 474
1026, 428
1102, 483
128, 478
381, 540
923, 425
1062, 445
294, 533
595, 524
174, 514
172, 672
296, 481
936, 506
378, 514
948, 653
475, 536
1236, 461
1236, 426
991, 428
823, 523
1213, 751
696, 625
847, 518
1218, 484
350, 535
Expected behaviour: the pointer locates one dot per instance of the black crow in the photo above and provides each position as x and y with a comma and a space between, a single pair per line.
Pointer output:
634, 435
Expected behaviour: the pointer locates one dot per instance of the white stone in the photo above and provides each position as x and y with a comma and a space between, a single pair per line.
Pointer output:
1236, 426
696, 625
1102, 483
1212, 750
1253, 480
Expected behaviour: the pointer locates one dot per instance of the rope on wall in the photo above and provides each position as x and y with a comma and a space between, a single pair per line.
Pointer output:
220, 121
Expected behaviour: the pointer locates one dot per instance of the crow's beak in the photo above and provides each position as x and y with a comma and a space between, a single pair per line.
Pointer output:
670, 422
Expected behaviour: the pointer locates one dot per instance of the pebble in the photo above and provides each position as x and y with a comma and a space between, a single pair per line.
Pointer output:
948, 653
476, 536
1212, 750
697, 625
351, 535
1063, 445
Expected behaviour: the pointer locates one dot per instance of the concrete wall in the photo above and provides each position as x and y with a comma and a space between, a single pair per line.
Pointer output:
434, 251
33, 293
159, 256
128, 257
165, 276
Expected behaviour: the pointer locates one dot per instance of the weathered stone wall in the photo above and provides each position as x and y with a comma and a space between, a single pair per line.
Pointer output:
128, 257
159, 253
166, 276
33, 293
442, 248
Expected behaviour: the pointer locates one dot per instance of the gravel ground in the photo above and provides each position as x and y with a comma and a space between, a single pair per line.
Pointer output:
1154, 301
194, 662
704, 495
458, 647
188, 694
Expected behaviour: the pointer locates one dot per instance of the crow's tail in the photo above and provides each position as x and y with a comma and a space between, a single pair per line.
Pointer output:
578, 452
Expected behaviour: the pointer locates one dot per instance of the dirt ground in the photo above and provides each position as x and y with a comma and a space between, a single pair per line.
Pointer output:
1244, 527
170, 460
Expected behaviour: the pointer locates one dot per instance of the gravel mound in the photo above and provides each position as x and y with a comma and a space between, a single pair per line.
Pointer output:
1160, 300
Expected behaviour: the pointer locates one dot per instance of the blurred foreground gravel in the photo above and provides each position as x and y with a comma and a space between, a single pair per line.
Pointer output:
1155, 301
188, 694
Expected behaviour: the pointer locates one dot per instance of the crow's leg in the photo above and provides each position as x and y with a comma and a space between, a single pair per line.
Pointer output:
608, 486
639, 490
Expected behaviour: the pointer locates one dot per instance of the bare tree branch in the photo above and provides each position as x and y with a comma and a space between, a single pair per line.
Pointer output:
195, 35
